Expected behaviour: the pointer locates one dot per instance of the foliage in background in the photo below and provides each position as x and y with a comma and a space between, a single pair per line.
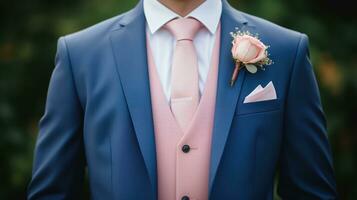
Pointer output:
29, 31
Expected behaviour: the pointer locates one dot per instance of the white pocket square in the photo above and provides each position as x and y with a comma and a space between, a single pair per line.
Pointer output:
261, 93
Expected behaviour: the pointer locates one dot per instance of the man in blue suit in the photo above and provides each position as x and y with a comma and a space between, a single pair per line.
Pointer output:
99, 117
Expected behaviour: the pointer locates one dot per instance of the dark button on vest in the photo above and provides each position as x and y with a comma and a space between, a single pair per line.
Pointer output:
185, 198
186, 148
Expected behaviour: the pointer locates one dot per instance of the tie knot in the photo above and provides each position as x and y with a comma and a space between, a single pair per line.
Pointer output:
184, 28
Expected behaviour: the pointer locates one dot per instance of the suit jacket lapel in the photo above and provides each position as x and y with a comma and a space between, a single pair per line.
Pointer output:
227, 96
129, 46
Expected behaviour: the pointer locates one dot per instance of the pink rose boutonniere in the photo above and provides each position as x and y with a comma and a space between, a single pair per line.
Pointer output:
249, 52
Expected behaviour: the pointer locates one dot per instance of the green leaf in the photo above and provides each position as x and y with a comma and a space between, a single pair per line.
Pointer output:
251, 68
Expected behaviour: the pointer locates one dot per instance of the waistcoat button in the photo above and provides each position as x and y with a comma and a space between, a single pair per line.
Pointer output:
185, 198
186, 148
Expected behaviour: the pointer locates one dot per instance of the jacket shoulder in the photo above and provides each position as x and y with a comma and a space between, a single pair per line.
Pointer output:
286, 46
279, 38
270, 27
95, 34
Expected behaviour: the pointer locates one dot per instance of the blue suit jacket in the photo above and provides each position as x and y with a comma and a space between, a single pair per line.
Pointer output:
98, 115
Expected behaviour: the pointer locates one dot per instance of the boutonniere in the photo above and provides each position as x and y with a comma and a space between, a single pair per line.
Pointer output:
249, 52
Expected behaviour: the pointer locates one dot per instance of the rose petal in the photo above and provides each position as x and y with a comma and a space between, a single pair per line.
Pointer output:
242, 50
248, 49
262, 55
252, 52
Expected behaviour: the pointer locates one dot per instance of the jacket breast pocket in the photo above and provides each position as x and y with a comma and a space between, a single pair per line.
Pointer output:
258, 107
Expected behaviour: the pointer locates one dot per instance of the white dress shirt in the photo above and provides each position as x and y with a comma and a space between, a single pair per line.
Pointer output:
162, 42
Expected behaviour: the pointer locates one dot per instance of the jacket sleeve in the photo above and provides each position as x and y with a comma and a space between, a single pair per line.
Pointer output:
306, 170
59, 162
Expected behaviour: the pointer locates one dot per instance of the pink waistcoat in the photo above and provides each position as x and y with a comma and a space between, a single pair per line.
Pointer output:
179, 173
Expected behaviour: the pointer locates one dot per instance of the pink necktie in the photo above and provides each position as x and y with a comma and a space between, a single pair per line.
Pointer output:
184, 73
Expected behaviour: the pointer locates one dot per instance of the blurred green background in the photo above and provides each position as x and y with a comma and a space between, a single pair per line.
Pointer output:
28, 36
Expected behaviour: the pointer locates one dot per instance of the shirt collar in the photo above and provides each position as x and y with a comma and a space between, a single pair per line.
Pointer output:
157, 15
